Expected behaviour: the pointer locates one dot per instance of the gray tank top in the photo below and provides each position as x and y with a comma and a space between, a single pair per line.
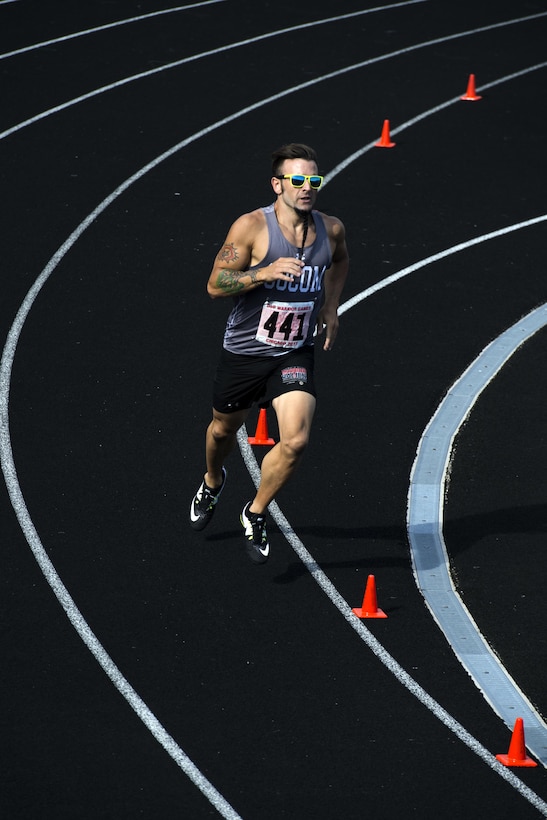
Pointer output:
280, 316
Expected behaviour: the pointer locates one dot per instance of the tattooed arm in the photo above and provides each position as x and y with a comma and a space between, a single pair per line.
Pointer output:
245, 246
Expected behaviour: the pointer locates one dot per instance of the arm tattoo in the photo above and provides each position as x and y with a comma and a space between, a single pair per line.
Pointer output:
230, 280
228, 254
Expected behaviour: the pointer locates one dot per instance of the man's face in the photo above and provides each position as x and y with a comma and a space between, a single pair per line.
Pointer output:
301, 199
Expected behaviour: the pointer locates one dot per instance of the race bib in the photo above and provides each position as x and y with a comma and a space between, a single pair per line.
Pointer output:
284, 324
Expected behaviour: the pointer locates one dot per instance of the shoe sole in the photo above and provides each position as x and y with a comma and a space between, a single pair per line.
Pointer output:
255, 555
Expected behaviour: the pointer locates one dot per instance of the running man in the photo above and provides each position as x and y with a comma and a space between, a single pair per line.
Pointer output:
285, 266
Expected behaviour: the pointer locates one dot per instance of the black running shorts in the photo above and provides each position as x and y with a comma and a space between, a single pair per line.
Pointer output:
241, 381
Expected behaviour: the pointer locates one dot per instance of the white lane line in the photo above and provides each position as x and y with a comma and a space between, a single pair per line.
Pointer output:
80, 624
428, 550
302, 86
50, 573
485, 669
397, 130
184, 8
106, 26
8, 466
63, 596
494, 682
462, 246
375, 646
76, 618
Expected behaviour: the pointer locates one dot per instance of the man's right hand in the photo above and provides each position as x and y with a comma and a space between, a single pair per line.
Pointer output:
284, 268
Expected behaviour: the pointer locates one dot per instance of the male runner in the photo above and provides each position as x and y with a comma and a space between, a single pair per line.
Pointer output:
285, 266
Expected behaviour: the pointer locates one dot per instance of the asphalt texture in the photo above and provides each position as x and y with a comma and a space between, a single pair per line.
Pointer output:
267, 703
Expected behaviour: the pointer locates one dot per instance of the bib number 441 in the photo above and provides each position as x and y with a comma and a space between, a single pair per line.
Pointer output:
286, 327
284, 324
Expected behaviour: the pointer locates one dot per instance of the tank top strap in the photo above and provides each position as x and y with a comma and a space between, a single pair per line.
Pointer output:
278, 245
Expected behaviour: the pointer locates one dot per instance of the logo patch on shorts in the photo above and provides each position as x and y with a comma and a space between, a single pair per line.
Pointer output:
294, 375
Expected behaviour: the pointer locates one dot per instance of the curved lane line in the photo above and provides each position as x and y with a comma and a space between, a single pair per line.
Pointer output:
80, 624
308, 84
428, 550
74, 615
495, 683
462, 246
397, 130
106, 26
375, 646
499, 689
8, 467
193, 6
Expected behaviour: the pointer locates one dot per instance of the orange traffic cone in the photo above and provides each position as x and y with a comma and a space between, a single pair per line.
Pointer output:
261, 434
385, 139
471, 94
516, 756
369, 609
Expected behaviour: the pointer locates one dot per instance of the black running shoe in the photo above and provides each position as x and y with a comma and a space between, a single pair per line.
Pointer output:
258, 548
203, 504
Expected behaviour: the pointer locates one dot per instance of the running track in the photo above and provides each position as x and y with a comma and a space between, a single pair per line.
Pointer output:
130, 140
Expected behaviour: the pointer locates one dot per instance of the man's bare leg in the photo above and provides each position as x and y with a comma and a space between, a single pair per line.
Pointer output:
220, 440
294, 412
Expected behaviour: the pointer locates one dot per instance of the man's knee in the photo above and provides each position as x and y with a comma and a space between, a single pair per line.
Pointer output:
294, 415
294, 446
225, 425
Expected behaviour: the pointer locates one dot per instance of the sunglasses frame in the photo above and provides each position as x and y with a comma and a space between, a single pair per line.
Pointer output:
304, 177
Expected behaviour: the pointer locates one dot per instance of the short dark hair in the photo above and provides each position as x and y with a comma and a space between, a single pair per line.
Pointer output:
293, 150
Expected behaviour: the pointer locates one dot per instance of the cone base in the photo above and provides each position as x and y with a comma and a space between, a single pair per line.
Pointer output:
384, 144
363, 613
254, 440
470, 91
513, 761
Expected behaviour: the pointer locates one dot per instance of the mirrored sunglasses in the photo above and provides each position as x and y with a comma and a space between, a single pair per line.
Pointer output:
298, 180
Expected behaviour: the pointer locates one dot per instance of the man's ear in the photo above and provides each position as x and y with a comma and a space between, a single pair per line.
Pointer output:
277, 186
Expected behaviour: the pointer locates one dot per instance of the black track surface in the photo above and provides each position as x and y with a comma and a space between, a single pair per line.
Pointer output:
251, 670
